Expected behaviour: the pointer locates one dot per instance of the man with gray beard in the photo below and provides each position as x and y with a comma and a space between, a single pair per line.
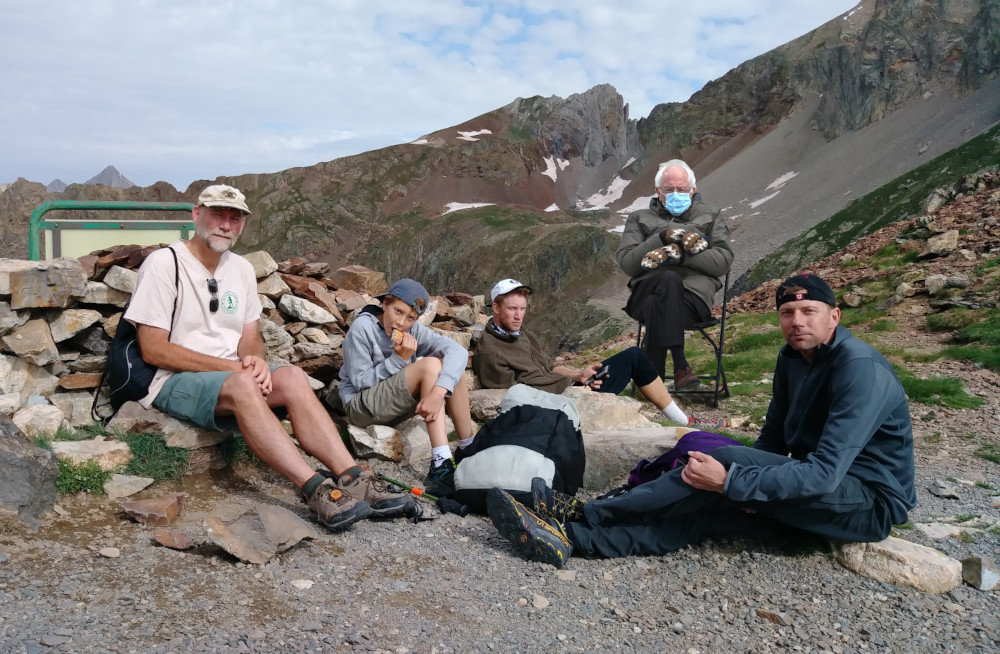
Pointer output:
197, 317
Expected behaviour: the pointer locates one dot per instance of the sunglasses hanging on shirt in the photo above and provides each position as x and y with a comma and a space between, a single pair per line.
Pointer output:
213, 288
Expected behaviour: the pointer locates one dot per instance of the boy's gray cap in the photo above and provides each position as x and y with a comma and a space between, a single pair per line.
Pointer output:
411, 292
220, 195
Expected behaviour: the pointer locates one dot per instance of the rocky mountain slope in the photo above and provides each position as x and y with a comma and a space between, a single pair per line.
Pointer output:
92, 580
804, 128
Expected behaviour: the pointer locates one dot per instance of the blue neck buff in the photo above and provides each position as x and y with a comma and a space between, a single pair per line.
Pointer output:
677, 203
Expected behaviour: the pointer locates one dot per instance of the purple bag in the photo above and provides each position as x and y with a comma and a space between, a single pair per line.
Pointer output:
693, 441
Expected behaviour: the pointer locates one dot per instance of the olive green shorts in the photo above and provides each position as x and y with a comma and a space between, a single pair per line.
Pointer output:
386, 403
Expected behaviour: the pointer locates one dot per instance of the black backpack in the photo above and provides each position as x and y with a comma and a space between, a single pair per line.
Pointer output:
547, 431
127, 376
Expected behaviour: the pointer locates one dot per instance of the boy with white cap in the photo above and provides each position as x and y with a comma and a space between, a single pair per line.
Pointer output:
507, 355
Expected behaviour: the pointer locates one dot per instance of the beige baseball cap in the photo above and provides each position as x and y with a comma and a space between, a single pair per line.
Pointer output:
220, 195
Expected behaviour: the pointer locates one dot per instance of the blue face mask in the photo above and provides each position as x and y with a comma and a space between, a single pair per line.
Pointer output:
677, 203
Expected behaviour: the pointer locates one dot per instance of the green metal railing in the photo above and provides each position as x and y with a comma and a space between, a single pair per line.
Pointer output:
37, 224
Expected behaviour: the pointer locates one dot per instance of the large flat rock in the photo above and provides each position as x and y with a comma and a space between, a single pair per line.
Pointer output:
611, 455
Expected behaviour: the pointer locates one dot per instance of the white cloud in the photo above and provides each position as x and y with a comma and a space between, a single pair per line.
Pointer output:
188, 90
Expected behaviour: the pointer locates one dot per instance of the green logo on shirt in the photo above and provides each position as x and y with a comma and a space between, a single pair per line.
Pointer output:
230, 302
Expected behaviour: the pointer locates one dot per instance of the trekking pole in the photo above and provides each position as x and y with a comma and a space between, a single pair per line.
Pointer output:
447, 505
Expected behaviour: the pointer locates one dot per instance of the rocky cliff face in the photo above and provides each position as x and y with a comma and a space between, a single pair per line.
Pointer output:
862, 66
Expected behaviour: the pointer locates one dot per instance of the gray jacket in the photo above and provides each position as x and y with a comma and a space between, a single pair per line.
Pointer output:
369, 357
702, 272
844, 414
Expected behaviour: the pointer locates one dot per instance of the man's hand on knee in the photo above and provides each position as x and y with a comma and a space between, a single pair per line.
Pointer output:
704, 472
261, 372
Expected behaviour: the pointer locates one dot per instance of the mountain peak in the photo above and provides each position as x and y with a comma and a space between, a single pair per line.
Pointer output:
110, 177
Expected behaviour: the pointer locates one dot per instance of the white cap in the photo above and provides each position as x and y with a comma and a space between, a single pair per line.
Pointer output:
505, 286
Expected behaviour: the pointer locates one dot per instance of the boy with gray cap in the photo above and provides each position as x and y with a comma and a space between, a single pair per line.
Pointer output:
395, 367
197, 317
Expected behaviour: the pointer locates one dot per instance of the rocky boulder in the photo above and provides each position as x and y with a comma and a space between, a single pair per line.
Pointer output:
28, 473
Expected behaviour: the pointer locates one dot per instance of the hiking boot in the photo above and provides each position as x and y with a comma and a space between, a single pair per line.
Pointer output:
440, 480
385, 503
335, 509
685, 380
550, 503
707, 424
537, 538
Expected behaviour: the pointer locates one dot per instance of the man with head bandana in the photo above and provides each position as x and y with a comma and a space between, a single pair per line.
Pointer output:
676, 252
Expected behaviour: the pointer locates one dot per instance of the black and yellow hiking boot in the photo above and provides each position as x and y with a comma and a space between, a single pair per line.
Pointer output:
550, 503
335, 509
537, 538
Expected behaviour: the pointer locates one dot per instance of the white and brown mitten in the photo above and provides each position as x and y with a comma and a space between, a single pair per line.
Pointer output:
669, 255
692, 242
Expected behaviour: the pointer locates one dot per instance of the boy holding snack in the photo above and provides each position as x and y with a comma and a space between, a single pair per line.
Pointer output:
394, 367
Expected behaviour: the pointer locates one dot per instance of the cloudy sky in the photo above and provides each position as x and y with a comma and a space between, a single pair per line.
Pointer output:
181, 90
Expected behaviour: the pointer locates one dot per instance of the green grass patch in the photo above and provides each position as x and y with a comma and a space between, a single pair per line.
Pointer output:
986, 332
749, 366
988, 357
770, 341
985, 485
81, 477
988, 265
906, 526
152, 457
858, 316
965, 537
955, 319
902, 260
933, 438
966, 517
235, 450
850, 264
988, 451
746, 440
941, 391
884, 326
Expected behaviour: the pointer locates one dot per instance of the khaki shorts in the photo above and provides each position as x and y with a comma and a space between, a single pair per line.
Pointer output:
386, 403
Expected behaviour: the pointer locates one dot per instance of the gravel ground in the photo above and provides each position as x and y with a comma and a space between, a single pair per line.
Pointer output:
451, 584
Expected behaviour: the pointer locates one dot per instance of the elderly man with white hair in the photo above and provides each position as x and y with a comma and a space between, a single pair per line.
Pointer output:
676, 253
